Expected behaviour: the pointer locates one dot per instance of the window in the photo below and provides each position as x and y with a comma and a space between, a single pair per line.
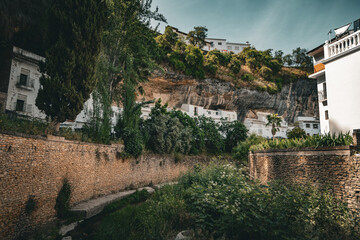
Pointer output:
20, 105
23, 79
209, 112
324, 103
195, 111
308, 125
211, 44
219, 43
315, 126
217, 113
229, 47
237, 48
326, 115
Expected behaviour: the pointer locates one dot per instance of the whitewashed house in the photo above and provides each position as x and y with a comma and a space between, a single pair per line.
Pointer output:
223, 46
258, 126
215, 43
336, 68
310, 125
216, 115
22, 83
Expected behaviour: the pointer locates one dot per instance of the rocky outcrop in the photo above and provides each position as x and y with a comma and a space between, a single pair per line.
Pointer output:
295, 99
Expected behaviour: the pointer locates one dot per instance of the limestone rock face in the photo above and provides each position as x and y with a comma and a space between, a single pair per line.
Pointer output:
296, 99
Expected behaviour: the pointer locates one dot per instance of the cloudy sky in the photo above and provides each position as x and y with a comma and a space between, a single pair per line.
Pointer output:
277, 24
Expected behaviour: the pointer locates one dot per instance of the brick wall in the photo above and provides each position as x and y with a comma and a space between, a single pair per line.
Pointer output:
37, 166
334, 167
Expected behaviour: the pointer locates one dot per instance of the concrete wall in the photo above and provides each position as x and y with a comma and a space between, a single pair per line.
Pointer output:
343, 87
334, 167
37, 167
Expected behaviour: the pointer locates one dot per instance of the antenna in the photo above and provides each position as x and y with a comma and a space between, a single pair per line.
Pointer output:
330, 31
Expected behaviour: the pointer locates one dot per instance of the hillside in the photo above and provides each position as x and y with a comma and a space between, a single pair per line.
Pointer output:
298, 98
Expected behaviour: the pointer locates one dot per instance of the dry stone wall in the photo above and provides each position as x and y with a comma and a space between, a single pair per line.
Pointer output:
337, 168
36, 167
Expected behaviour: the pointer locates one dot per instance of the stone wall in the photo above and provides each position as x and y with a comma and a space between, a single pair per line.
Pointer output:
37, 166
334, 167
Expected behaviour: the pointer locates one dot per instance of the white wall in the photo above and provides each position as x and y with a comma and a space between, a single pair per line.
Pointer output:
310, 125
343, 90
258, 126
216, 115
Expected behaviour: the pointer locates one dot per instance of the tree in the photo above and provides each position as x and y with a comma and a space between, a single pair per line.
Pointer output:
197, 36
275, 121
74, 40
296, 132
168, 40
234, 132
301, 59
129, 49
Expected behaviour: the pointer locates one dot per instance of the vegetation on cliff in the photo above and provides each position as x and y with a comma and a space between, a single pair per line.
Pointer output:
261, 70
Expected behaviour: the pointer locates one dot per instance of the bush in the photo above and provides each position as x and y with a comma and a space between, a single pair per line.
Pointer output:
234, 133
62, 204
132, 142
266, 73
240, 152
296, 132
327, 140
224, 203
247, 77
194, 60
235, 65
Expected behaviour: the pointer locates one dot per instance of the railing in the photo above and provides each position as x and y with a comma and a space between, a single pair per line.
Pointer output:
322, 95
344, 44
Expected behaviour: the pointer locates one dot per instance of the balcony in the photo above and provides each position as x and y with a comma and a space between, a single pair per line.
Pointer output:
322, 96
25, 82
343, 45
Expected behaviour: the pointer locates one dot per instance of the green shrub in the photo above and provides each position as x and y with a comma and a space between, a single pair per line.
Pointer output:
327, 140
240, 152
62, 204
133, 142
224, 203
235, 65
265, 72
247, 77
194, 60
135, 198
296, 132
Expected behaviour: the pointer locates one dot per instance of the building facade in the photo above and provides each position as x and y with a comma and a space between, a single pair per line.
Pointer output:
23, 83
259, 126
216, 115
215, 43
310, 125
336, 68
223, 46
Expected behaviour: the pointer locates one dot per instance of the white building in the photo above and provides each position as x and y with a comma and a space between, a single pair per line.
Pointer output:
336, 65
310, 125
223, 46
23, 83
216, 115
215, 43
258, 126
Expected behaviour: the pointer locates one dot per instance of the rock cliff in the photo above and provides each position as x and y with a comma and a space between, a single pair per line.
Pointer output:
295, 99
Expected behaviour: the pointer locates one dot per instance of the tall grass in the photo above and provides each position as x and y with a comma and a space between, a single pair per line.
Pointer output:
316, 141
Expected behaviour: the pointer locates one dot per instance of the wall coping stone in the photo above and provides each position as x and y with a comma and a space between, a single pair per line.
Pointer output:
308, 149
52, 138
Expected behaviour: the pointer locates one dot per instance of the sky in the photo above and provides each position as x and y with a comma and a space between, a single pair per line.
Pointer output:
276, 24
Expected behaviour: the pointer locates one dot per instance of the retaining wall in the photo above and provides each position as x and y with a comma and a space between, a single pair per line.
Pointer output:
336, 167
36, 166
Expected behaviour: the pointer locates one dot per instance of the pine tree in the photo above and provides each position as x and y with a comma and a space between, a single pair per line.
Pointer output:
74, 40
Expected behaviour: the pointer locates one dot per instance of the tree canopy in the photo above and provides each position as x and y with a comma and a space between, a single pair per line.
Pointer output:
197, 36
73, 40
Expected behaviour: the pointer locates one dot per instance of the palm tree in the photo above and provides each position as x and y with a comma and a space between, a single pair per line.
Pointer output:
275, 121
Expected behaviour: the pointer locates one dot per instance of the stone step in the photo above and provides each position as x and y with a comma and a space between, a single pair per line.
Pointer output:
93, 207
